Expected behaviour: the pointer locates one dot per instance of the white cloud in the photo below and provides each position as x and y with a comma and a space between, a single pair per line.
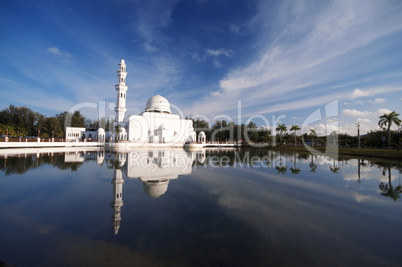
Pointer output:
356, 113
149, 48
379, 100
54, 50
219, 52
358, 93
362, 198
363, 120
383, 111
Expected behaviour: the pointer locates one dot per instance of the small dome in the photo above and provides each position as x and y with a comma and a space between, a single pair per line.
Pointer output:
202, 133
158, 103
101, 130
122, 61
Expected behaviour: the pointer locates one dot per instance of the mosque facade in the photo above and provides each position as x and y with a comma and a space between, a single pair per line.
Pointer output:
156, 125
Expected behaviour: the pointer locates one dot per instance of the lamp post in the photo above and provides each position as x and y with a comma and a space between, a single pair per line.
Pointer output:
358, 134
6, 138
52, 136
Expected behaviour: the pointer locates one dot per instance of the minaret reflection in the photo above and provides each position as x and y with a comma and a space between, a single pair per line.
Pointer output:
117, 182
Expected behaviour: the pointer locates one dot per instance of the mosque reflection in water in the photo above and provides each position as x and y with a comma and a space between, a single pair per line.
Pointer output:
156, 167
153, 167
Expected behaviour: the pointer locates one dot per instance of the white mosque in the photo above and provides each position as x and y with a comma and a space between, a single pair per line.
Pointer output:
155, 126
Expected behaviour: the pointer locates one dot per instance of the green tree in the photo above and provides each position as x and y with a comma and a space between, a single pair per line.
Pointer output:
387, 120
107, 127
281, 128
312, 134
77, 119
22, 119
52, 126
117, 130
295, 128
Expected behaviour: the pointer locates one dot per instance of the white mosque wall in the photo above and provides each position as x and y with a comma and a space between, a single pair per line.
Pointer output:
74, 133
160, 128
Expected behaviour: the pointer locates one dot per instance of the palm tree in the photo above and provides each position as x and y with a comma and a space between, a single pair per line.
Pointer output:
387, 120
388, 190
312, 133
334, 168
281, 129
295, 128
312, 165
295, 170
281, 166
269, 133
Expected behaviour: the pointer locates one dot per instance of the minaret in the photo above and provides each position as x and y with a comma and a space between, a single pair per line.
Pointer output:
121, 89
117, 201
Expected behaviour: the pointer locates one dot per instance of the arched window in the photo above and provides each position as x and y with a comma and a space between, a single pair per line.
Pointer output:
121, 95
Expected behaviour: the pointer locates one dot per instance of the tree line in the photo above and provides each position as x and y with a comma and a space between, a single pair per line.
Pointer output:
22, 121
224, 131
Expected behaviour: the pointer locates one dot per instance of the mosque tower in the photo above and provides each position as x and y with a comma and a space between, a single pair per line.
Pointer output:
121, 89
117, 201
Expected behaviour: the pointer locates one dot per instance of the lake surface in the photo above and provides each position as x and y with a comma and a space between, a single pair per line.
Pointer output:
215, 207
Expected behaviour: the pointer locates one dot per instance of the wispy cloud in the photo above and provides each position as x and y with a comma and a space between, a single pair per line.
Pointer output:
219, 52
378, 100
56, 51
149, 48
356, 113
311, 51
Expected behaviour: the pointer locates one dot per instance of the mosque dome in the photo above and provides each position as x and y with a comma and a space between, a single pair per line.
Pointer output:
158, 103
155, 189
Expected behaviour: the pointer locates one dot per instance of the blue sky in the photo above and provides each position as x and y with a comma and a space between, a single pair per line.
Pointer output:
286, 58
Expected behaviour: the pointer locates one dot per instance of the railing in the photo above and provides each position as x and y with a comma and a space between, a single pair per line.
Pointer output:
23, 139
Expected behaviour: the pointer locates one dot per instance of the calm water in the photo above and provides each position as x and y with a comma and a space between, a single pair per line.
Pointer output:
209, 208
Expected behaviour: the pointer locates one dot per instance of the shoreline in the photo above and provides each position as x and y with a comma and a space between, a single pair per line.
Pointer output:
390, 155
